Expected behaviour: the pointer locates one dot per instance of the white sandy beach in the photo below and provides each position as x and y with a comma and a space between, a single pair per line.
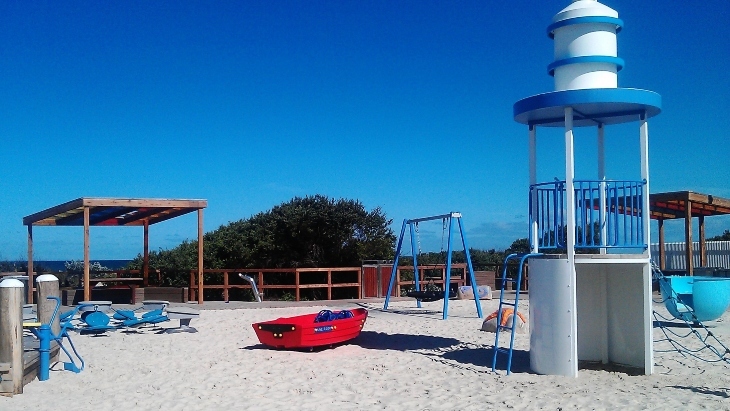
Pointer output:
405, 359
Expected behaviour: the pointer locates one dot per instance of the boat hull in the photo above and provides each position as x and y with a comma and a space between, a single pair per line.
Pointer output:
303, 332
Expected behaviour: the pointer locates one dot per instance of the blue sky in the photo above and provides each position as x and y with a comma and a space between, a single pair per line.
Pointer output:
406, 105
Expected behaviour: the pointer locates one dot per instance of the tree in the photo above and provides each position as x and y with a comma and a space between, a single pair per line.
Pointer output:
519, 246
724, 237
313, 231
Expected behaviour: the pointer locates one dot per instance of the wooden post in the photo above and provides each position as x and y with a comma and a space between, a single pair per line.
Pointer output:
11, 335
200, 256
329, 284
191, 286
360, 288
261, 284
688, 238
703, 245
225, 286
48, 287
296, 284
146, 255
87, 277
29, 298
662, 251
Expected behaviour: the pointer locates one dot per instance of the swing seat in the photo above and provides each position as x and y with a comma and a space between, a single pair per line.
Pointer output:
429, 296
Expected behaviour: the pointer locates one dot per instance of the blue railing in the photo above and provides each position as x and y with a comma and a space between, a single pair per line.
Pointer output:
619, 224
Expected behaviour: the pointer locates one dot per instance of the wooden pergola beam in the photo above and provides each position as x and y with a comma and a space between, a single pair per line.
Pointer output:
686, 204
87, 212
688, 239
87, 275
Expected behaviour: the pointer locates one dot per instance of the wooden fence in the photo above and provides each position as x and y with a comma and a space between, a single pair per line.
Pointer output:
299, 279
491, 274
372, 280
376, 277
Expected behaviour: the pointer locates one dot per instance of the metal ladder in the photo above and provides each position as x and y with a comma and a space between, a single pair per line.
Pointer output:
502, 303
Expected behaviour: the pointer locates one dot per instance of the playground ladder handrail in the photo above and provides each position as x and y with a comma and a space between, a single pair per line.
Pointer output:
515, 305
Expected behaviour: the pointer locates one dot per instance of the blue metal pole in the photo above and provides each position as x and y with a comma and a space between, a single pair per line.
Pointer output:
499, 311
447, 282
395, 265
44, 338
416, 274
471, 269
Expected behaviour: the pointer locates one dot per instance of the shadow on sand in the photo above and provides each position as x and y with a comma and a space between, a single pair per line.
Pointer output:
722, 393
374, 340
671, 324
448, 351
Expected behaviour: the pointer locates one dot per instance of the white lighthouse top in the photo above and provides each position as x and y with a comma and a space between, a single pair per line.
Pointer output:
585, 68
583, 8
585, 46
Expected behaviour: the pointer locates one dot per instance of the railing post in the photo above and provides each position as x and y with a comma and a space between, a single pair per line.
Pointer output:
48, 287
261, 284
11, 334
225, 285
296, 283
190, 286
329, 284
359, 282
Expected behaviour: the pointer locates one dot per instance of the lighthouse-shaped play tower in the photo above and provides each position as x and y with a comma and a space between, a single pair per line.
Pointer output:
590, 290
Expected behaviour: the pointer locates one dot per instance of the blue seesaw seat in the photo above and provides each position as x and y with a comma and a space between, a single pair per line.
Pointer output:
93, 317
129, 319
707, 297
96, 318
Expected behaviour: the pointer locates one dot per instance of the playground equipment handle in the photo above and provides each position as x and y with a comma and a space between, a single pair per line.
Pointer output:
55, 310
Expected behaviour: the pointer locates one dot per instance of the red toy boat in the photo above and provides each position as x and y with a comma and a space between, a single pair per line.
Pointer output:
312, 330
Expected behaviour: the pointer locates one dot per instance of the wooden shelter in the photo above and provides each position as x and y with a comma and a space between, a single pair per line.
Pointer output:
686, 204
88, 212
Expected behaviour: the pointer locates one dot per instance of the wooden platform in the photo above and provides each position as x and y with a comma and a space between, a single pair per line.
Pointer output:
31, 361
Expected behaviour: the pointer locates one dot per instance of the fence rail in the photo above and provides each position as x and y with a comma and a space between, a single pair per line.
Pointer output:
608, 214
298, 280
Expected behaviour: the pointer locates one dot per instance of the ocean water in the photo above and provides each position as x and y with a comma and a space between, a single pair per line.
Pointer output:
60, 266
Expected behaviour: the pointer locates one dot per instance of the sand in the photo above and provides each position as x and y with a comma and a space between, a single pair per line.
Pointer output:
405, 359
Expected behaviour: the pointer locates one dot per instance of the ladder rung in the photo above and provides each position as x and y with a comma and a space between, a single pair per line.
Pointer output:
506, 303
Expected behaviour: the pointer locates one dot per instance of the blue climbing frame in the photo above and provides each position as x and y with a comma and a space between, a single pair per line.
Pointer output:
412, 224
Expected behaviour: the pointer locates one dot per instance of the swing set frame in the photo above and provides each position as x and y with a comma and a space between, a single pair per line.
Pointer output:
413, 224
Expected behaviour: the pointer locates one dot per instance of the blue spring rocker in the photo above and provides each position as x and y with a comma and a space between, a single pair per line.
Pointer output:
695, 298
